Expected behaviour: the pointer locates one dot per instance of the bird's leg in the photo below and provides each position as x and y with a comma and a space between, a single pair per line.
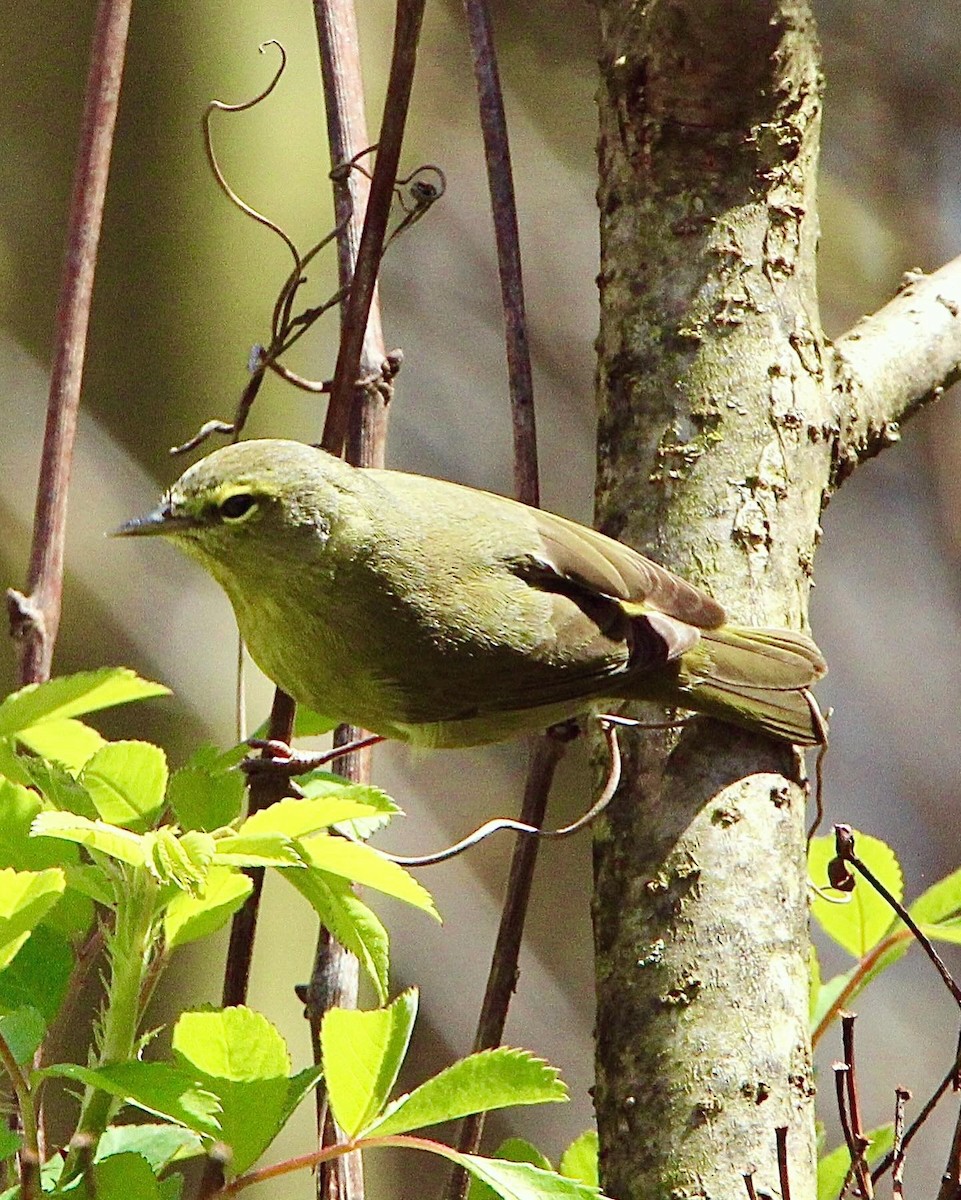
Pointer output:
278, 758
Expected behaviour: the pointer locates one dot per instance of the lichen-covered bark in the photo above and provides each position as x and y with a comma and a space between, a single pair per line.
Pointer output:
714, 452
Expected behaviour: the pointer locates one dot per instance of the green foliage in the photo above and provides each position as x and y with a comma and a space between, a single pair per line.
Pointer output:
863, 923
833, 1168
88, 824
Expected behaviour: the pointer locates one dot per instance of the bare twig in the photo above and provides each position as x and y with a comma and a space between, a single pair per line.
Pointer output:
844, 840
858, 1139
749, 1185
265, 788
355, 316
504, 209
901, 1097
894, 362
503, 972
784, 1174
502, 979
35, 616
840, 1089
335, 975
888, 1160
243, 106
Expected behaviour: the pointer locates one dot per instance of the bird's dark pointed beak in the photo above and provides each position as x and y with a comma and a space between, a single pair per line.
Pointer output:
160, 521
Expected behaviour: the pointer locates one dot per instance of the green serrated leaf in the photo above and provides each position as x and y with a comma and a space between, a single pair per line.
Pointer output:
511, 1150
325, 783
361, 864
362, 1053
940, 903
516, 1180
350, 921
160, 1145
188, 918
580, 1159
944, 931
859, 924
39, 975
10, 1143
205, 799
23, 1031
833, 1167
98, 835
300, 818
157, 1088
181, 861
127, 782
59, 788
492, 1079
69, 742
257, 850
242, 1058
125, 1176
25, 897
73, 696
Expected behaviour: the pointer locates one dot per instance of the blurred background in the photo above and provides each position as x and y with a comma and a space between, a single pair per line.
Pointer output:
185, 287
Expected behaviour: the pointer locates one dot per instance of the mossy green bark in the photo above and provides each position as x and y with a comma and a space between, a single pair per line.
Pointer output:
714, 453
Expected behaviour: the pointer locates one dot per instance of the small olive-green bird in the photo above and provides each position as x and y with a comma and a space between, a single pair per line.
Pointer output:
444, 616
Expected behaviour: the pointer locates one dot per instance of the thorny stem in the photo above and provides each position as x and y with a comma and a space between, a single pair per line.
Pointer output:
35, 617
129, 947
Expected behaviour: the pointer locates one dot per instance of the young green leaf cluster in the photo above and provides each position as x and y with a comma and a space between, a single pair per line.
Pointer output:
864, 925
102, 846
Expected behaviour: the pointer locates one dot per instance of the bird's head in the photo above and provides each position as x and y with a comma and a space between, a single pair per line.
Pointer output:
245, 501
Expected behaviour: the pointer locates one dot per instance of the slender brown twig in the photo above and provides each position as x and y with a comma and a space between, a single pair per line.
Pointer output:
887, 1162
503, 972
858, 1139
844, 841
500, 181
35, 615
901, 1097
783, 1171
367, 264
545, 755
334, 979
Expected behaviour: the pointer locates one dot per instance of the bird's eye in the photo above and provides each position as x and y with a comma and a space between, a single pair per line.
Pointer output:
237, 506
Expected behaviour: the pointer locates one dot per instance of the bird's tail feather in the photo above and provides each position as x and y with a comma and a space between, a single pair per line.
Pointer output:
756, 678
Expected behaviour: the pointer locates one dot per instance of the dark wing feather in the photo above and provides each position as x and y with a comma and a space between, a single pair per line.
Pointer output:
579, 553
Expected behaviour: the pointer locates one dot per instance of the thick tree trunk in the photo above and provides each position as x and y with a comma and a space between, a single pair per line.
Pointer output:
715, 444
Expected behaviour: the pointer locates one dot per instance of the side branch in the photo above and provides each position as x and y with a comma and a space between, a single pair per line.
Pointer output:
894, 362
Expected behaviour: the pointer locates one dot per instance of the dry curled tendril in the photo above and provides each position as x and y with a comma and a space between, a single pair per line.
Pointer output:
416, 194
